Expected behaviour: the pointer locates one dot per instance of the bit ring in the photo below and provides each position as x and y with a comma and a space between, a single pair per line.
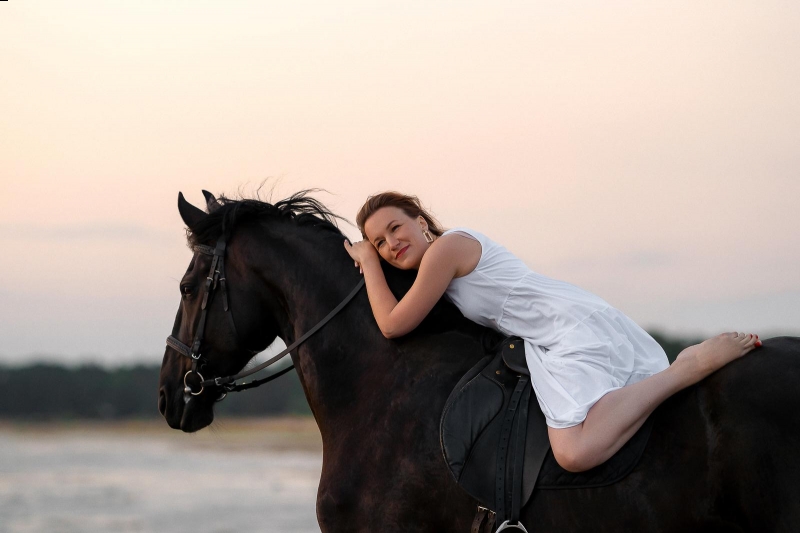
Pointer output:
187, 387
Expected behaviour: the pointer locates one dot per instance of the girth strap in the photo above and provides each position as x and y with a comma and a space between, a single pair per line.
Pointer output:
516, 464
518, 460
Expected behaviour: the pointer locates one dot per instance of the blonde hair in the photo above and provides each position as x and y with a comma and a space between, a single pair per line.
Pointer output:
410, 205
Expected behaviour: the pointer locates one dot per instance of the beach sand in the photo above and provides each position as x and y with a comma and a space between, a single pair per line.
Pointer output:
244, 434
238, 475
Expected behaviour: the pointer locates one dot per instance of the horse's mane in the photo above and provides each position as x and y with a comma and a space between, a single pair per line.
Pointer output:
228, 213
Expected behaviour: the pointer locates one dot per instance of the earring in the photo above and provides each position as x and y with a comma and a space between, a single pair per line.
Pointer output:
427, 235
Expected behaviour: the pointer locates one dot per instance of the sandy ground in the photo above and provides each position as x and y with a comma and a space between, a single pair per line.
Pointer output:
242, 434
142, 476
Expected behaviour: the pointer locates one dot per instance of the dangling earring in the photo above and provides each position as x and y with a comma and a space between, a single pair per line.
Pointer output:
427, 235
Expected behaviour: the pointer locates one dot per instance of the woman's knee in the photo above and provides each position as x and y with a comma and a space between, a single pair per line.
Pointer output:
571, 460
570, 450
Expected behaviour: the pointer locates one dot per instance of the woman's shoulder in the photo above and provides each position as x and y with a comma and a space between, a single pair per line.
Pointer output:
465, 231
463, 237
464, 251
458, 237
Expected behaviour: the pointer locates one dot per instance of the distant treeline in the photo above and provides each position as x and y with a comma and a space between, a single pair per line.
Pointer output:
48, 391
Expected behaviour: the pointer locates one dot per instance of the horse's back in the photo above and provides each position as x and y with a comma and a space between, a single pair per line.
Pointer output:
753, 412
722, 457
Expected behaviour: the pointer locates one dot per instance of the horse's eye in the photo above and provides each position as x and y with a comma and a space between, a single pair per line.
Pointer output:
186, 290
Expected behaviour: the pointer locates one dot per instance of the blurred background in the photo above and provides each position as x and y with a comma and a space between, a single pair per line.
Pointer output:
644, 151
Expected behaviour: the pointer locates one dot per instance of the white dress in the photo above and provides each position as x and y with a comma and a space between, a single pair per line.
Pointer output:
577, 346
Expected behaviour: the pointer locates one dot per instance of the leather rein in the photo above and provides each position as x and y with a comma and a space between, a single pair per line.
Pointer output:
216, 277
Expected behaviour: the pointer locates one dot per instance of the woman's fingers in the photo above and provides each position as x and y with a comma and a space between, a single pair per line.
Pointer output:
349, 249
358, 251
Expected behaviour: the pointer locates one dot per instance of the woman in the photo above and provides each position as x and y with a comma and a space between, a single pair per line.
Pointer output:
596, 374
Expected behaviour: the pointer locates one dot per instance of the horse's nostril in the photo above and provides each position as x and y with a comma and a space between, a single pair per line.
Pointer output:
162, 401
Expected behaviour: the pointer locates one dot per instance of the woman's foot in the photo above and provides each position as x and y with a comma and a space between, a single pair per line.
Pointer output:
709, 356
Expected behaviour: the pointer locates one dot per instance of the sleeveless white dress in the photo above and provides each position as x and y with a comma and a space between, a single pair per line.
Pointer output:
577, 346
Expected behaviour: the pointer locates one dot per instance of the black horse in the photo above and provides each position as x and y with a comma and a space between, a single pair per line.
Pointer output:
723, 455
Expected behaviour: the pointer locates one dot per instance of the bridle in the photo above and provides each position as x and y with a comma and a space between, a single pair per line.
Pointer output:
216, 276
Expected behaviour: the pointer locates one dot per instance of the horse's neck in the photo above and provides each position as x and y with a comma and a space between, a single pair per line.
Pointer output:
334, 363
311, 281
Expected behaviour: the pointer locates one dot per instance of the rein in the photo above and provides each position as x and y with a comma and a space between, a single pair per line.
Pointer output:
216, 276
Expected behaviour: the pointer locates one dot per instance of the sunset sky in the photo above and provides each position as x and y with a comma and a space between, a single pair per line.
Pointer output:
645, 151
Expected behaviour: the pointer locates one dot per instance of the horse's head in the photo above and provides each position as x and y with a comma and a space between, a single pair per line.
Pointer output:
207, 341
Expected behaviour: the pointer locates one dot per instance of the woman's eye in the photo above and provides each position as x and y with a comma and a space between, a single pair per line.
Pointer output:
397, 226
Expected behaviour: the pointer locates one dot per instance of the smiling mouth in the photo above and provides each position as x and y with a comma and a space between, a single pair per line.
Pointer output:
401, 252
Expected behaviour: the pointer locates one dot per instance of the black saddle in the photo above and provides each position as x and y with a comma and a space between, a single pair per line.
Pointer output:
495, 442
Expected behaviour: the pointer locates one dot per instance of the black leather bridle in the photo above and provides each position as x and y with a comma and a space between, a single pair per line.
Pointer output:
216, 276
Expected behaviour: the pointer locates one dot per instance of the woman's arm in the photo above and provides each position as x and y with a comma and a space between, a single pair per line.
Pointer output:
439, 266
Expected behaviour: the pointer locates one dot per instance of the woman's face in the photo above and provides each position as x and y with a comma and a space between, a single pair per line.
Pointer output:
397, 237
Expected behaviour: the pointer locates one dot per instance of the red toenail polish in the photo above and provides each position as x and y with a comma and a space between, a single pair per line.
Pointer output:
758, 343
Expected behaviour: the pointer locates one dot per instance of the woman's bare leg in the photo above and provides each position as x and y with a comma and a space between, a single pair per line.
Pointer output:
619, 414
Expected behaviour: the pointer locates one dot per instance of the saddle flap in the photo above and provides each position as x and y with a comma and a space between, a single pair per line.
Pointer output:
471, 426
470, 408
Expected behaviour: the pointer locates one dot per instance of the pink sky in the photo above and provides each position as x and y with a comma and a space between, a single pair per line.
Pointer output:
644, 151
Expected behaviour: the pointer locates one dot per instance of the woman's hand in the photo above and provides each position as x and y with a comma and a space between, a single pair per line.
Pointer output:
361, 253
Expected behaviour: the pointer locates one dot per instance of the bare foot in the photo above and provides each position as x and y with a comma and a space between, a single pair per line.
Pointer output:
709, 356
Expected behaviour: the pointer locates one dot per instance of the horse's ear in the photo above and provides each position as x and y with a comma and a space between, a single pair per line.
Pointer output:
189, 213
211, 202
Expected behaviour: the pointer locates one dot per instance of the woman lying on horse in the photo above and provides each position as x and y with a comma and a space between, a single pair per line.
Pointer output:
596, 374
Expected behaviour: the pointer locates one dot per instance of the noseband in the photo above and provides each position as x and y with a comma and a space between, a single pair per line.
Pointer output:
216, 276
